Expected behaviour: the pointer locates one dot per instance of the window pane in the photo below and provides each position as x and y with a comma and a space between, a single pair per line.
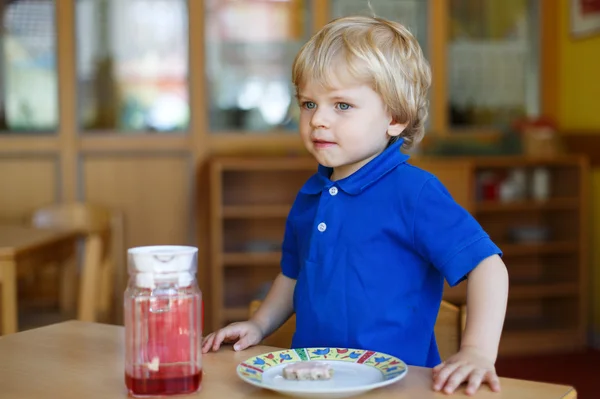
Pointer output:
132, 65
410, 13
250, 47
28, 79
493, 61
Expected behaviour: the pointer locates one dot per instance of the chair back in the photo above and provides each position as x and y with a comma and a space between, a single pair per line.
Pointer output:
100, 227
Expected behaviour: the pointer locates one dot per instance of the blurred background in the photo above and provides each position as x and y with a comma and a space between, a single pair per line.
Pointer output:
145, 122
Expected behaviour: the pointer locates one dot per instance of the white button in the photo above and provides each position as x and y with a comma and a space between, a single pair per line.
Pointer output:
333, 191
322, 227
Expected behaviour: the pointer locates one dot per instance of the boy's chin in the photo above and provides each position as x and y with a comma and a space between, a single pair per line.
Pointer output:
325, 161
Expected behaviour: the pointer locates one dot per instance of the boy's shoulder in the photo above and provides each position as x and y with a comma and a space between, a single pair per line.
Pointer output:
415, 172
409, 179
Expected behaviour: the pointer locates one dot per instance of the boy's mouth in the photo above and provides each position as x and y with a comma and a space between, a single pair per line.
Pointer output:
322, 143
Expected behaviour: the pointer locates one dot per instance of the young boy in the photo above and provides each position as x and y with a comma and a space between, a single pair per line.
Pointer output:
370, 239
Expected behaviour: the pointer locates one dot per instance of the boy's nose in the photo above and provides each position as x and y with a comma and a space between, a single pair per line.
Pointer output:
319, 120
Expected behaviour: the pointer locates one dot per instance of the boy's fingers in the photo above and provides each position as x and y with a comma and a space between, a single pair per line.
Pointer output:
209, 341
475, 381
219, 336
493, 381
241, 344
440, 379
230, 332
457, 378
245, 341
207, 338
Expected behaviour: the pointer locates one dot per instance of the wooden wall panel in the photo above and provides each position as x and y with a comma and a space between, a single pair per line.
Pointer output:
27, 182
154, 192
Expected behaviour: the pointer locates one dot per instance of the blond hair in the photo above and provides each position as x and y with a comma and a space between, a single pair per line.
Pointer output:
378, 52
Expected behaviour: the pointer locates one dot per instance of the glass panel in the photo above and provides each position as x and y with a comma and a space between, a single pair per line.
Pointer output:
250, 47
493, 62
28, 79
410, 13
132, 65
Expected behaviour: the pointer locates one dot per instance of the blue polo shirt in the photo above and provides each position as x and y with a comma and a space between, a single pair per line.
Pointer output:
370, 254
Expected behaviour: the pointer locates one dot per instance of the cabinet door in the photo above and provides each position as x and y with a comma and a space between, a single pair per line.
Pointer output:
132, 66
28, 77
492, 57
411, 13
250, 47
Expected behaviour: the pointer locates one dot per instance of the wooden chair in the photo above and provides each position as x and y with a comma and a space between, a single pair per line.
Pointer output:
102, 231
448, 329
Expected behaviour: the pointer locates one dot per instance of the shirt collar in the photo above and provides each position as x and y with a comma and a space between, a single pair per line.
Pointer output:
362, 178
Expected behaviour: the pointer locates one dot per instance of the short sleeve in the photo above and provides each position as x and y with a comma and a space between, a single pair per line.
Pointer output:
290, 266
447, 235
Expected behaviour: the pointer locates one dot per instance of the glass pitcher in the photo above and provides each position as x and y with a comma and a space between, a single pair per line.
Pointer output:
163, 321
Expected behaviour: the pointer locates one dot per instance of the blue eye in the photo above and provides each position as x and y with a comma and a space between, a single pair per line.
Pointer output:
344, 106
309, 105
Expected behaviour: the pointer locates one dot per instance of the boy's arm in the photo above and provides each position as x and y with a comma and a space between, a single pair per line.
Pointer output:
487, 293
277, 307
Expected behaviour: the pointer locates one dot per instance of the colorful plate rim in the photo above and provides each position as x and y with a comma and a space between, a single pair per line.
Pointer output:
392, 368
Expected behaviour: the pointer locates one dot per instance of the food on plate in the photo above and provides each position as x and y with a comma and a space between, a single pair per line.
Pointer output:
308, 371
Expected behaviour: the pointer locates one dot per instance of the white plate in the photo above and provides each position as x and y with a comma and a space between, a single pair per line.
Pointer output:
356, 371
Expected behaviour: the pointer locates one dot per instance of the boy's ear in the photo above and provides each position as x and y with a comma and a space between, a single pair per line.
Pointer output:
395, 128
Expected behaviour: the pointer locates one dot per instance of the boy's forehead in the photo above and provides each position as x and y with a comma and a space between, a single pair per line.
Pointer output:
313, 88
335, 79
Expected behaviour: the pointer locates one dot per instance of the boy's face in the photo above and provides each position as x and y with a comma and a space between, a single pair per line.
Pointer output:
346, 126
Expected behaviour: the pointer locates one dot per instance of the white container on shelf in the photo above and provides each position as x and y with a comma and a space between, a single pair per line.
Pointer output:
540, 184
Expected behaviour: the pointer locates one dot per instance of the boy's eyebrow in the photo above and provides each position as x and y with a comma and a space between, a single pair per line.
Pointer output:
335, 97
341, 97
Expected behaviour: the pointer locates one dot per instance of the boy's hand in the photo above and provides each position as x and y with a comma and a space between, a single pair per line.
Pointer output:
468, 365
243, 334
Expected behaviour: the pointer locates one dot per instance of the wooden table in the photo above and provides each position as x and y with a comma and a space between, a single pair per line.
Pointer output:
78, 360
23, 248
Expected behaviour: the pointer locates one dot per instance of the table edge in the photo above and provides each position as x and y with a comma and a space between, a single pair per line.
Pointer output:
61, 235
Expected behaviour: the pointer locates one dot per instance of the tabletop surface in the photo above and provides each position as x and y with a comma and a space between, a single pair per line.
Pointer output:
74, 360
16, 238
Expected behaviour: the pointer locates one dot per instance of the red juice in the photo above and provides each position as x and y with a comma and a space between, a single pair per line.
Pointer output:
163, 347
163, 386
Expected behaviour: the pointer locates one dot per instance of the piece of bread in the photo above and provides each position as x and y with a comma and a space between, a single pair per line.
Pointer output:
308, 371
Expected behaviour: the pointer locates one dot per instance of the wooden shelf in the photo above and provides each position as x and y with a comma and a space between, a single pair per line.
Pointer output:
555, 204
251, 258
255, 211
543, 290
540, 340
548, 291
250, 199
554, 247
254, 164
458, 294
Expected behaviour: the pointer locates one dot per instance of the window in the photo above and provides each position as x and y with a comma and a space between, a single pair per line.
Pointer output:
492, 62
132, 65
28, 78
250, 47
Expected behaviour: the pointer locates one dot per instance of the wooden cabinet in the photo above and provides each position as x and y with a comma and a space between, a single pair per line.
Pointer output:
547, 309
548, 293
94, 130
249, 202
